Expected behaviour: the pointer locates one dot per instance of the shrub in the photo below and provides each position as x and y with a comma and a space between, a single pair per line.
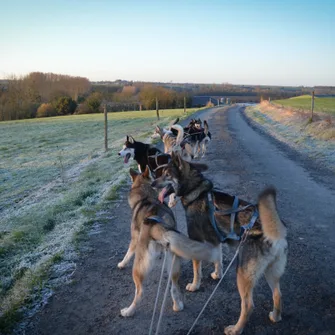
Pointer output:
93, 102
65, 105
83, 109
46, 110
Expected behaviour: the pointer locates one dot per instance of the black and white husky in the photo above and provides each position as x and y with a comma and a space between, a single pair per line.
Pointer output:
144, 154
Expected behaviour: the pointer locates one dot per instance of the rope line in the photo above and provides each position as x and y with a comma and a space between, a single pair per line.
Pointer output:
157, 296
165, 296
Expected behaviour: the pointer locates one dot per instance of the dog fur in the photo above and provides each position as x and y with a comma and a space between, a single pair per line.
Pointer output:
146, 155
197, 138
170, 140
148, 239
264, 250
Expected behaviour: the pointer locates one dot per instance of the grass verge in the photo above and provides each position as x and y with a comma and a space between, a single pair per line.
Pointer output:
315, 138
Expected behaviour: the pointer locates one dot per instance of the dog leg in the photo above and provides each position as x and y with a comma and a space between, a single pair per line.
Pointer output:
138, 277
172, 200
217, 274
176, 295
245, 284
197, 275
143, 259
128, 256
273, 282
196, 150
130, 251
204, 149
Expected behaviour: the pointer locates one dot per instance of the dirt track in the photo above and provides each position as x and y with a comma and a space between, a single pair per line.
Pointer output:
241, 162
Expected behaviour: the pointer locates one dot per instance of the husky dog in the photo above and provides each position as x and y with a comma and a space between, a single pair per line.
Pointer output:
148, 239
170, 140
146, 155
263, 252
197, 137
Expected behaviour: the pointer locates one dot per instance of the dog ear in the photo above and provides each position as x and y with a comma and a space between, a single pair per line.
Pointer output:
132, 140
146, 173
175, 157
133, 174
198, 166
127, 138
180, 163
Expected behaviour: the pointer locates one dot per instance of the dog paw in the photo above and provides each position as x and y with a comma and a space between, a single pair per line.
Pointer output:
172, 203
192, 287
230, 330
127, 312
178, 306
121, 265
216, 275
274, 317
172, 200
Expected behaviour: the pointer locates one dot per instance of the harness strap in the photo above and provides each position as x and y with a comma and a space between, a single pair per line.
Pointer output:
231, 235
219, 234
253, 219
156, 161
236, 210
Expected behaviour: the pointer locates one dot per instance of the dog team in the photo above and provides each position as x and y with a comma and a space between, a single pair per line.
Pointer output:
213, 217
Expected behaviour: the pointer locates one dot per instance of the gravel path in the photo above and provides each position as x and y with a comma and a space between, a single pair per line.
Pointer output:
241, 161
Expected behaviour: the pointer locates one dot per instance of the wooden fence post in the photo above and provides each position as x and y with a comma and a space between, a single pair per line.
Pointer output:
157, 110
106, 128
184, 105
312, 105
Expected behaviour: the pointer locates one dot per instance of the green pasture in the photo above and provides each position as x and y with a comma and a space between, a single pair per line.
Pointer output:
54, 180
324, 105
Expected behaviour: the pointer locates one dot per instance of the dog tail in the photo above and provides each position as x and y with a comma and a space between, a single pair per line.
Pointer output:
180, 244
272, 226
180, 135
173, 122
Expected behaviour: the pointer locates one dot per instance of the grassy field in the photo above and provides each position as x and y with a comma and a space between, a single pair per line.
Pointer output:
54, 179
325, 105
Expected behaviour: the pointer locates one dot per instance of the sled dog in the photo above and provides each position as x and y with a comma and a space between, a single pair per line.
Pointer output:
147, 239
264, 250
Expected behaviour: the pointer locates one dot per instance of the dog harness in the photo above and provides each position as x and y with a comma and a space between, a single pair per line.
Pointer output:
156, 161
232, 212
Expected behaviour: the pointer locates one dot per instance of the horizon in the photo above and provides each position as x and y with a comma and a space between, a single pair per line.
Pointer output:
184, 83
290, 43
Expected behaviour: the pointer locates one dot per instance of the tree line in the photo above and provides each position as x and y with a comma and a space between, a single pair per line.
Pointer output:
40, 94
47, 94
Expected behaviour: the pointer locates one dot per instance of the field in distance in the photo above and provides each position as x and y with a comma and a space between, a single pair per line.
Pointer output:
321, 104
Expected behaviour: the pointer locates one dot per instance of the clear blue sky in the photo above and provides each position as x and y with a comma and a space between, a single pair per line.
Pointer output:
240, 42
